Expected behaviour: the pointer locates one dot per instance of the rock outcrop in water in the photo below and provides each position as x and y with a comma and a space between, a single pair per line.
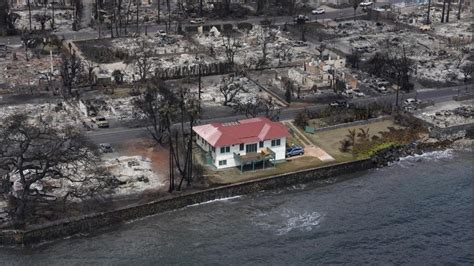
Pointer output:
394, 153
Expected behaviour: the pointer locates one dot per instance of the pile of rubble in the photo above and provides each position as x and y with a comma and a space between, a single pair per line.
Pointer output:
107, 107
464, 111
133, 174
16, 71
450, 114
159, 44
63, 19
434, 59
248, 46
59, 114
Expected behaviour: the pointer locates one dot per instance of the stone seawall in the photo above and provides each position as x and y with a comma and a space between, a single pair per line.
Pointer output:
89, 223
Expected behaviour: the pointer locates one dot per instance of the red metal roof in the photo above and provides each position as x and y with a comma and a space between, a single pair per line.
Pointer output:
243, 131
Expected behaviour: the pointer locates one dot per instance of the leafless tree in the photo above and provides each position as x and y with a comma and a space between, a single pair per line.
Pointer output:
230, 89
42, 19
467, 70
355, 4
156, 109
230, 46
89, 66
284, 53
253, 107
70, 69
35, 152
142, 57
181, 146
265, 37
401, 68
28, 40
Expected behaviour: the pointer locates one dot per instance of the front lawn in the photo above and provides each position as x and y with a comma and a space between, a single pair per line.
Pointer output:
330, 140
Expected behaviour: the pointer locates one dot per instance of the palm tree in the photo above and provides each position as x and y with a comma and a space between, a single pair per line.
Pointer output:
351, 136
363, 134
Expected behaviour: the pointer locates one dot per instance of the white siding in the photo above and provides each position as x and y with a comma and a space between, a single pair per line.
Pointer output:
229, 156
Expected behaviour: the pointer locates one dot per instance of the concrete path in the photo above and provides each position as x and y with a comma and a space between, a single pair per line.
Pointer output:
309, 148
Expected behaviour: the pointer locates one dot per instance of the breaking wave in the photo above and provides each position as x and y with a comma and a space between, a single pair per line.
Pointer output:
289, 221
427, 156
215, 200
431, 156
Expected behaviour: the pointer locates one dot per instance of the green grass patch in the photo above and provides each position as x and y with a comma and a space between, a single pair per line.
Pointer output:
373, 149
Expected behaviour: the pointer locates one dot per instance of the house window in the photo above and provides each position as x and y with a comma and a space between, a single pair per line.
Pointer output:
225, 149
222, 162
251, 148
241, 147
260, 144
276, 142
213, 149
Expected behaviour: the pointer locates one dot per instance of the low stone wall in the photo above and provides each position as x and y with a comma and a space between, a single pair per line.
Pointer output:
463, 97
88, 223
454, 132
355, 123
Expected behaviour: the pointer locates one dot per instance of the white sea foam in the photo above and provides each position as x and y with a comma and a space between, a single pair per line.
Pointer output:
430, 156
215, 200
427, 156
289, 220
305, 221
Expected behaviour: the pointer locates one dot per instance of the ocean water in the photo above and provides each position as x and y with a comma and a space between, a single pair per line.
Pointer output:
416, 211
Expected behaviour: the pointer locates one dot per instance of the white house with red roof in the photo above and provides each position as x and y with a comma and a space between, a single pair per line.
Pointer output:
247, 141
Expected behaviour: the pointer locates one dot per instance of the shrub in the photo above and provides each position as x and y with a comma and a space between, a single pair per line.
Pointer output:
245, 26
302, 119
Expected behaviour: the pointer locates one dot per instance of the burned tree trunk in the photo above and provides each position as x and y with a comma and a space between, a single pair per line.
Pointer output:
443, 12
449, 9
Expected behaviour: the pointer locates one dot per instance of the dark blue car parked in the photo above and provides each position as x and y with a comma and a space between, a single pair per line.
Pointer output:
294, 150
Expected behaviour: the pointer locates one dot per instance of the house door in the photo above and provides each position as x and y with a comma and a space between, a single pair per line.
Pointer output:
251, 148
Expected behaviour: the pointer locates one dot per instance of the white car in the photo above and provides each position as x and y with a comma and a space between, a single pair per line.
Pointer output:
318, 11
161, 33
382, 89
411, 101
365, 4
197, 21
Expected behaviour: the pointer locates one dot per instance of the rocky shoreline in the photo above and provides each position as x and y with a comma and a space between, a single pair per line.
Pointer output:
386, 156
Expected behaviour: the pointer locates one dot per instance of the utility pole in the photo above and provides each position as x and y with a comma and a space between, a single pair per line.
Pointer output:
52, 8
29, 12
429, 9
459, 8
98, 15
138, 9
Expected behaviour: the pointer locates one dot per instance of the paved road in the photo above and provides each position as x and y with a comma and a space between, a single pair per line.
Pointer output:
88, 33
119, 135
